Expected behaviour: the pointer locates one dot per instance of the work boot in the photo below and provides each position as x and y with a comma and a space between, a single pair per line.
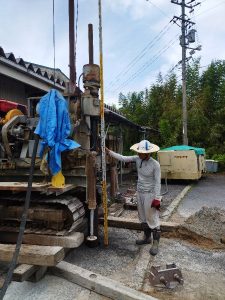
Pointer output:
147, 235
156, 237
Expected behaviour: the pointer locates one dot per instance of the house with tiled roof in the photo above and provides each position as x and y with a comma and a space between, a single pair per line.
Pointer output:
20, 79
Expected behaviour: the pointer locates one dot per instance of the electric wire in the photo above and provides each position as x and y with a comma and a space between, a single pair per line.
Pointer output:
142, 69
146, 65
135, 75
158, 8
140, 55
22, 222
53, 31
166, 184
171, 70
192, 17
150, 47
211, 8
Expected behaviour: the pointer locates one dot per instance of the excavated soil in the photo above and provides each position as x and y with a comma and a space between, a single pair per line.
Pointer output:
208, 223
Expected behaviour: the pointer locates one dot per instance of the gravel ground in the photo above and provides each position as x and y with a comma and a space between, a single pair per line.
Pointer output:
121, 252
49, 288
203, 272
124, 261
208, 222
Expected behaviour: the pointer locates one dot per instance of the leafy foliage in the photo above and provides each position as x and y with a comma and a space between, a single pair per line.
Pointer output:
160, 108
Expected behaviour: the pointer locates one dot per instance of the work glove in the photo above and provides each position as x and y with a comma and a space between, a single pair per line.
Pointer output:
156, 204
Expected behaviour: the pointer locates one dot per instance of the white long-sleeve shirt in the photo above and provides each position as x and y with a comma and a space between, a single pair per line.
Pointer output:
149, 174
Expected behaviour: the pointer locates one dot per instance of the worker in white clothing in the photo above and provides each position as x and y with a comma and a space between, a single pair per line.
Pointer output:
148, 190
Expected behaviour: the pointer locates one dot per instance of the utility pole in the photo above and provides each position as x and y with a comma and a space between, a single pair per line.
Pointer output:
185, 39
184, 94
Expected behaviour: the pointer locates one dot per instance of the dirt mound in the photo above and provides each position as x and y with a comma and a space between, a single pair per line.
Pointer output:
208, 222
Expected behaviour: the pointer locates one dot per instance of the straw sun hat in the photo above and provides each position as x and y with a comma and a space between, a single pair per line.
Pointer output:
144, 147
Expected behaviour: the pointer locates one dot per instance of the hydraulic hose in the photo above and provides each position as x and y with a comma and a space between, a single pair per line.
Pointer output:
22, 223
167, 190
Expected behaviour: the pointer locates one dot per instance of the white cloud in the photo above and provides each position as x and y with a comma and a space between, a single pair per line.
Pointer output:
128, 26
137, 9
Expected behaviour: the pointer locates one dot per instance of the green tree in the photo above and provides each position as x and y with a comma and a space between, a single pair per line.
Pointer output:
160, 107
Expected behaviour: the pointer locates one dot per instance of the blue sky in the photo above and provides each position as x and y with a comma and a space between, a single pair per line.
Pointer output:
138, 39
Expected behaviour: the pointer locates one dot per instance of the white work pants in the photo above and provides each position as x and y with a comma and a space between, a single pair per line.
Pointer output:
146, 213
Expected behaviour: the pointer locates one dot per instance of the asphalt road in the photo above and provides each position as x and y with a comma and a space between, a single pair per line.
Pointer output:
209, 191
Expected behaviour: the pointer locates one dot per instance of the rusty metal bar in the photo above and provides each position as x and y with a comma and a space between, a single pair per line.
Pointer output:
72, 43
90, 44
104, 192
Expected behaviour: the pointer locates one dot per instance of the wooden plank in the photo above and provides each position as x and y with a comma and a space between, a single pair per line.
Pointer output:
33, 254
117, 213
23, 272
98, 283
121, 222
2, 280
59, 191
36, 230
38, 213
130, 206
29, 272
22, 186
39, 274
116, 209
73, 240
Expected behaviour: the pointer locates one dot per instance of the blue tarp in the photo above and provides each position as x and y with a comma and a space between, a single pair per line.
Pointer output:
198, 151
54, 128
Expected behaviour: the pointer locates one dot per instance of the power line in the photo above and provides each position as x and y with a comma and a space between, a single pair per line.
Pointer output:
146, 65
211, 8
136, 59
158, 8
143, 68
141, 54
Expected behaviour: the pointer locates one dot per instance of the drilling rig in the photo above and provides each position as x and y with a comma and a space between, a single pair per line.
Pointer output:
54, 210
